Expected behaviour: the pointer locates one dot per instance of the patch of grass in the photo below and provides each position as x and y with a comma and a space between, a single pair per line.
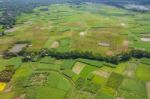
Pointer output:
64, 84
7, 96
70, 74
115, 80
91, 62
102, 95
87, 70
55, 80
15, 61
47, 60
145, 61
134, 89
121, 67
49, 93
99, 80
67, 64
108, 90
86, 85
42, 66
142, 72
109, 65
64, 45
78, 94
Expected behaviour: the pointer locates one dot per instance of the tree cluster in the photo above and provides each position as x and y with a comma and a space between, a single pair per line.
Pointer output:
87, 55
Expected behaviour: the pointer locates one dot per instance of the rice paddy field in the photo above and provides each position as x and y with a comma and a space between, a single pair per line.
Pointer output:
76, 79
97, 28
88, 27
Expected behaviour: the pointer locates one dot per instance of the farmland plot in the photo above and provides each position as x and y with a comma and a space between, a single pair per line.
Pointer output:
102, 73
98, 29
78, 67
148, 89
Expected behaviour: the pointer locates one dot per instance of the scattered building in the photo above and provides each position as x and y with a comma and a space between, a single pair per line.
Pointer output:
82, 33
105, 44
145, 39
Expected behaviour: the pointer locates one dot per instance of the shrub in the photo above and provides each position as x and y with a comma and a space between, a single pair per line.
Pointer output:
86, 85
6, 75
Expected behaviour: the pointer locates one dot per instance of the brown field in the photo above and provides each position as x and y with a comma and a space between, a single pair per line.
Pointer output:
102, 73
78, 67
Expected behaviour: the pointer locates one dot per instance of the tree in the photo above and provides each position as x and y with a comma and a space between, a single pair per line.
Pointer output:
2, 33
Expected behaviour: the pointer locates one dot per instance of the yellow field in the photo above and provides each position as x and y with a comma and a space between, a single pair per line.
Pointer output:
2, 86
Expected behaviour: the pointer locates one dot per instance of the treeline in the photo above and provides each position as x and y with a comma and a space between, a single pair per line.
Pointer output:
9, 9
33, 56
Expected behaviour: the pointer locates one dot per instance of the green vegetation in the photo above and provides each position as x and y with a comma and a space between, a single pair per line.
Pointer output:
46, 75
86, 71
142, 72
145, 61
67, 64
70, 74
76, 51
136, 89
115, 80
77, 29
42, 66
103, 96
91, 62
47, 60
64, 45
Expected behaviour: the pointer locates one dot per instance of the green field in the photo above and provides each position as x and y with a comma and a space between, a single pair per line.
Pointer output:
46, 79
97, 28
77, 28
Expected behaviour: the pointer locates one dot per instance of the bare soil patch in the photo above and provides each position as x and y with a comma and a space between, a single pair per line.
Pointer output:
148, 89
55, 44
78, 67
109, 53
17, 48
8, 89
125, 45
102, 73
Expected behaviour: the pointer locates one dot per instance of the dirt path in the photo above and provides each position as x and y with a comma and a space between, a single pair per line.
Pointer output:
8, 88
148, 89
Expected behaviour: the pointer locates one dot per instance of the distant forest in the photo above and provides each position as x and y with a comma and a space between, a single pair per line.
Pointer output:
9, 9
